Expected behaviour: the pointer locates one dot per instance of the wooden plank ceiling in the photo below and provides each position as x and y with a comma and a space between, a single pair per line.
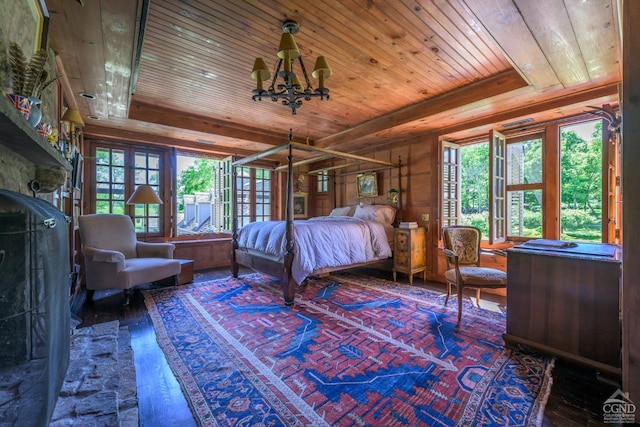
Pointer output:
178, 71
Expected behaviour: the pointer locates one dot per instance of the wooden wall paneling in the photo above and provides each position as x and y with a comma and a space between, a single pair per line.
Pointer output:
418, 193
322, 204
630, 103
402, 152
350, 190
205, 253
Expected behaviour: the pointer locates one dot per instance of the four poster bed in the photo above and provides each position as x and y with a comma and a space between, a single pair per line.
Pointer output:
294, 250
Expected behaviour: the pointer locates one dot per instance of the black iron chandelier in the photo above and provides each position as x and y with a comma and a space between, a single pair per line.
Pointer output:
291, 91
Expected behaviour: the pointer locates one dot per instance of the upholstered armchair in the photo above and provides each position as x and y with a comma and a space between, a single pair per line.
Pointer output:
462, 251
114, 259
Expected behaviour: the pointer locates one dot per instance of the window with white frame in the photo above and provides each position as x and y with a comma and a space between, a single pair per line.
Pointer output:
524, 187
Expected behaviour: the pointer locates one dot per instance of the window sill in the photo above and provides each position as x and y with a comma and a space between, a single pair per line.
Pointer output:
203, 239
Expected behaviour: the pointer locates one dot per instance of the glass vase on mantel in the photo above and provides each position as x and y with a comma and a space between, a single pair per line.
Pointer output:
36, 114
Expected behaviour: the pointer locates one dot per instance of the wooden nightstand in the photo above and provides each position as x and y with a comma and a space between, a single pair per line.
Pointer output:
410, 254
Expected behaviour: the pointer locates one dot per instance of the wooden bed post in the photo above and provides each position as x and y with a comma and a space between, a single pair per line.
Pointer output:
234, 221
288, 284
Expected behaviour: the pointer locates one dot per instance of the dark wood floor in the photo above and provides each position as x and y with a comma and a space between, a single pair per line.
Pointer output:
576, 397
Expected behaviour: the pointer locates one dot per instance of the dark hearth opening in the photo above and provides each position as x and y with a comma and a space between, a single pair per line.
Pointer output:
34, 308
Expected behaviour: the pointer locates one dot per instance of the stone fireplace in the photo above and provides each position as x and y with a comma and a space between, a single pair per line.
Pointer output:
34, 308
34, 273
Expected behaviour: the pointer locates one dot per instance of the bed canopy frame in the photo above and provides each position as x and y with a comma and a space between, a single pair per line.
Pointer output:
280, 267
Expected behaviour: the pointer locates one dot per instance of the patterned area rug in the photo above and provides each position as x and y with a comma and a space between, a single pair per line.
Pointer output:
353, 350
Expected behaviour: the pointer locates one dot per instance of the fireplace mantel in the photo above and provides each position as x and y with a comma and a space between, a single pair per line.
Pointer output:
19, 136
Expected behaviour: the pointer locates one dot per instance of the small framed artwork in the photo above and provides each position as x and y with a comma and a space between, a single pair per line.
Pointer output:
367, 184
299, 205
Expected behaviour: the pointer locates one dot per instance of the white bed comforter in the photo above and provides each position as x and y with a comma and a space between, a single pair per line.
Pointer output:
328, 241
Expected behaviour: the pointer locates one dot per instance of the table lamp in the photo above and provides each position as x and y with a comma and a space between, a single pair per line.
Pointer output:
144, 195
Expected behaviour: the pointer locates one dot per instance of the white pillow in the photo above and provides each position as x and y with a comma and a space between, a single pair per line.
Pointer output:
345, 211
383, 214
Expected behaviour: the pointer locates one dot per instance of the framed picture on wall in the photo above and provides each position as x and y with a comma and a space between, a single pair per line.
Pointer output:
300, 205
367, 184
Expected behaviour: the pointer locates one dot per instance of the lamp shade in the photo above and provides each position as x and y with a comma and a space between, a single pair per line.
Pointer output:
288, 48
321, 69
260, 70
72, 115
144, 195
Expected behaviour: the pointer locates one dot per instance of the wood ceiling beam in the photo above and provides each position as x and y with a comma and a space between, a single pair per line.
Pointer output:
534, 108
151, 113
66, 85
484, 123
500, 83
119, 21
92, 131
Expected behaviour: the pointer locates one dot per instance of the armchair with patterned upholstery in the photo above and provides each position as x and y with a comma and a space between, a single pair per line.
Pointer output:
462, 252
114, 259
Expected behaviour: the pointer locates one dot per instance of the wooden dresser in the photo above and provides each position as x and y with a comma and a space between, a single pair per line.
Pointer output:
566, 302
410, 252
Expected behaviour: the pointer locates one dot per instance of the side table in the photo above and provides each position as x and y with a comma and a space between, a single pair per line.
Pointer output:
186, 271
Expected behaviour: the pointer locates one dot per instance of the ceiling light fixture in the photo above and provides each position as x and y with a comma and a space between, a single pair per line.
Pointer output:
290, 91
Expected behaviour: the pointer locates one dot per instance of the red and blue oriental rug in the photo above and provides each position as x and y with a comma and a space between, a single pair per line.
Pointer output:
352, 351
